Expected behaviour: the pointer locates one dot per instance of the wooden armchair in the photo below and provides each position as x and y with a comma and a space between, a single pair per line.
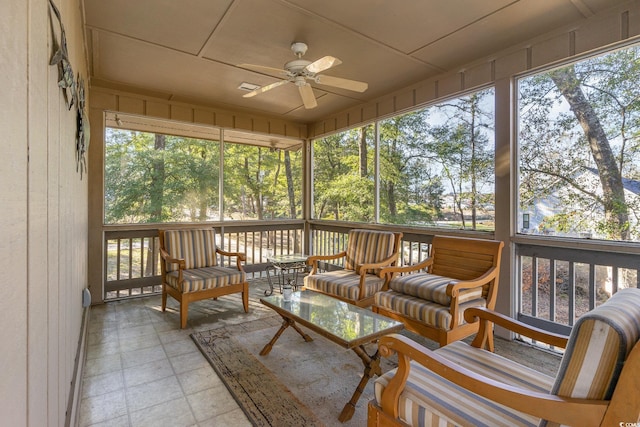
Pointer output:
367, 252
190, 270
597, 383
430, 297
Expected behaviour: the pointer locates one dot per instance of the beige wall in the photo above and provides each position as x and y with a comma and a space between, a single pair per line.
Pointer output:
43, 217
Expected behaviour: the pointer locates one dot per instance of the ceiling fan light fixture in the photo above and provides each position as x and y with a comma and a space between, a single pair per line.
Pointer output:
248, 86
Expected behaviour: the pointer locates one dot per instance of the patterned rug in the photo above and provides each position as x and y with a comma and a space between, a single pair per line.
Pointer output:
262, 397
298, 383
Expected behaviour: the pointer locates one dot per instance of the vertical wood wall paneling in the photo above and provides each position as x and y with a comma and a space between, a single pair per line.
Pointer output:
13, 214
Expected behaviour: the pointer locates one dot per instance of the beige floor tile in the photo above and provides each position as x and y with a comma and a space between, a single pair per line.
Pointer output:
102, 365
147, 373
142, 356
211, 402
102, 384
199, 379
188, 362
175, 413
103, 408
235, 418
137, 343
153, 393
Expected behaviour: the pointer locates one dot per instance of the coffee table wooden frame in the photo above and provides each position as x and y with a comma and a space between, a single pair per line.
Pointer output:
371, 362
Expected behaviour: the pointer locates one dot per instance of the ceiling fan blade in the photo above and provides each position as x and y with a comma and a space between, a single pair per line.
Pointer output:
264, 89
308, 98
342, 83
323, 64
263, 69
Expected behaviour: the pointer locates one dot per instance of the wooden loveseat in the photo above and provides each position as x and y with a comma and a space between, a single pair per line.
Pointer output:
191, 270
597, 383
430, 297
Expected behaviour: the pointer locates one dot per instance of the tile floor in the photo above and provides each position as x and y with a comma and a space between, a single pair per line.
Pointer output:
142, 370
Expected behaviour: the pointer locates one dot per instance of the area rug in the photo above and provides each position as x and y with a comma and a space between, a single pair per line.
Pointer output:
264, 400
298, 384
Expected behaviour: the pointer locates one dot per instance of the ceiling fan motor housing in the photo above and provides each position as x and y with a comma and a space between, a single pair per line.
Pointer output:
297, 67
299, 48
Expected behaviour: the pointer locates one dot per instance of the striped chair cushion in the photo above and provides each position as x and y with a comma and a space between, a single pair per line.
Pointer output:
368, 246
430, 400
599, 344
431, 287
431, 313
206, 278
344, 283
196, 247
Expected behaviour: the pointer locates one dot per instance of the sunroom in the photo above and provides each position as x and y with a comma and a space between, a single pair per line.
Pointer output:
509, 120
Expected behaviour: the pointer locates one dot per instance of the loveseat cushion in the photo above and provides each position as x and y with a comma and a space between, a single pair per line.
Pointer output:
431, 313
206, 278
431, 287
344, 283
429, 400
196, 247
368, 247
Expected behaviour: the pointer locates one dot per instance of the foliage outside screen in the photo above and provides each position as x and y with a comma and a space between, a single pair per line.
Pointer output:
579, 149
436, 168
154, 178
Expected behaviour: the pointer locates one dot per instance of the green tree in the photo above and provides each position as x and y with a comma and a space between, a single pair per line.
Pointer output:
461, 145
576, 121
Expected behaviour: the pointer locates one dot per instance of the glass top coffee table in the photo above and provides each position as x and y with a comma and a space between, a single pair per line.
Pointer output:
345, 324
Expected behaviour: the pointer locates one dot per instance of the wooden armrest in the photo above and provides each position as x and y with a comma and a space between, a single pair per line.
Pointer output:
470, 284
485, 315
166, 256
568, 411
313, 260
407, 268
377, 265
240, 255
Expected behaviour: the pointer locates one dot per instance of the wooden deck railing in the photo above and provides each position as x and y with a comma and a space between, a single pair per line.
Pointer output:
567, 280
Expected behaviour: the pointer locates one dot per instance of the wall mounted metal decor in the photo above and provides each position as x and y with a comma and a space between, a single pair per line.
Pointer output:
72, 88
82, 137
61, 59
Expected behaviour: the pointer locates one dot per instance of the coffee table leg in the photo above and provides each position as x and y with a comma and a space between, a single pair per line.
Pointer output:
285, 324
371, 368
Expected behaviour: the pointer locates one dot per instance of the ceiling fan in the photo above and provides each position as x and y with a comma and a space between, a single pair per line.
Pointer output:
300, 70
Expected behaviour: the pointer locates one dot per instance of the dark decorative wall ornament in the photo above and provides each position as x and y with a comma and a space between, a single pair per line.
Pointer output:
61, 59
82, 137
72, 88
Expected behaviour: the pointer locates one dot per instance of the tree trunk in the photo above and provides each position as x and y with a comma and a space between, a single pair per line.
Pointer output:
615, 207
362, 148
290, 192
391, 197
474, 186
157, 179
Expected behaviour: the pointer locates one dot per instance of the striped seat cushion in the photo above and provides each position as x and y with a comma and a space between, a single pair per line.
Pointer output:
430, 400
599, 344
429, 312
431, 287
344, 283
196, 247
206, 278
367, 247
